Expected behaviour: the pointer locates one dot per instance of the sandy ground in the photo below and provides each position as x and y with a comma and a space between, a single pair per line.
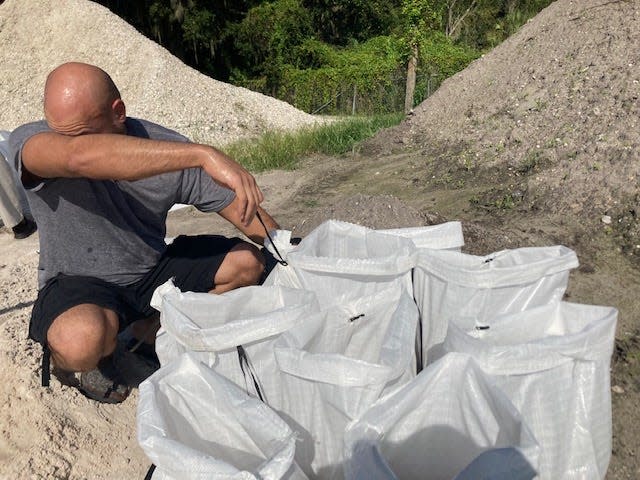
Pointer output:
51, 432
55, 432
534, 144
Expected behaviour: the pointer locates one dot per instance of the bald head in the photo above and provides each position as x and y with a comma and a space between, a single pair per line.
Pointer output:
81, 98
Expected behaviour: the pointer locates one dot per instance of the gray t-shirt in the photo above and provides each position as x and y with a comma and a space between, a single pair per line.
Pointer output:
111, 229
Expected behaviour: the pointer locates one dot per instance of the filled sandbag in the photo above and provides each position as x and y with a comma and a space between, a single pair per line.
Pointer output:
195, 424
335, 365
553, 362
473, 289
448, 422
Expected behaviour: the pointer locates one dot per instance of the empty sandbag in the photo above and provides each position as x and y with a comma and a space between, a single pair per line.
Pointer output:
195, 424
473, 289
339, 261
337, 364
448, 422
553, 363
233, 332
443, 236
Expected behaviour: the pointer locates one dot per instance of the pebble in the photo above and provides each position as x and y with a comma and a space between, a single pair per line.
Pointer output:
606, 219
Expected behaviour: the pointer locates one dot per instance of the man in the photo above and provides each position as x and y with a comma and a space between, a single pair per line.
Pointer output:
12, 201
100, 185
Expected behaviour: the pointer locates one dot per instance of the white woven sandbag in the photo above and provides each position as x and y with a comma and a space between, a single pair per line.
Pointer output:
337, 364
436, 425
473, 289
443, 236
214, 326
553, 363
194, 424
339, 261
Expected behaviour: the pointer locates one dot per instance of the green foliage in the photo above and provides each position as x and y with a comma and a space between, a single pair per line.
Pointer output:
440, 58
507, 202
269, 33
317, 52
419, 18
343, 22
284, 150
364, 72
312, 53
444, 58
197, 25
493, 21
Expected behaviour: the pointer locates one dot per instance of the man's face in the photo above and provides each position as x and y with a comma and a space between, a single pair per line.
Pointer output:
75, 118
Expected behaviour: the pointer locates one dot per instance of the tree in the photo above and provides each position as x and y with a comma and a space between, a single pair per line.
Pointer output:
200, 29
457, 12
268, 35
342, 22
419, 16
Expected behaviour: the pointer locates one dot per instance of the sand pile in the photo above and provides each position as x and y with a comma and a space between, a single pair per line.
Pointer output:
38, 35
56, 433
556, 108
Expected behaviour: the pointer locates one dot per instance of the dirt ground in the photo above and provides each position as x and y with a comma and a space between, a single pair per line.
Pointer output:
376, 191
537, 143
368, 190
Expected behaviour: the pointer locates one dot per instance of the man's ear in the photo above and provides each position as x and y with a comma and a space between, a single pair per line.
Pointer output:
119, 111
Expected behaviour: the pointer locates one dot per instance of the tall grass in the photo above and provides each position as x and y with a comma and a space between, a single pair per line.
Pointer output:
277, 150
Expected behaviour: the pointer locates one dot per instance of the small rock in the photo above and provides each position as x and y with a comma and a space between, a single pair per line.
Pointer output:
617, 389
606, 219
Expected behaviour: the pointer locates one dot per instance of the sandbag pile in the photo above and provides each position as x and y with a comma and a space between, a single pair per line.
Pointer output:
383, 355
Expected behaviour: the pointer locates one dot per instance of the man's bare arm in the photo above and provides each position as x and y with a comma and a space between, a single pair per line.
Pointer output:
105, 156
254, 230
120, 157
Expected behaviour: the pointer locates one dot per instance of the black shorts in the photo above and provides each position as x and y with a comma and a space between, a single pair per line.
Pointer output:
191, 261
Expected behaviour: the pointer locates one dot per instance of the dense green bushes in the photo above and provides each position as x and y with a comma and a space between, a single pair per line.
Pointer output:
334, 56
360, 79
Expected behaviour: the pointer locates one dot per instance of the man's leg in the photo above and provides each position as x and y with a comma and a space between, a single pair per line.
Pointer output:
77, 320
145, 329
241, 267
204, 263
81, 336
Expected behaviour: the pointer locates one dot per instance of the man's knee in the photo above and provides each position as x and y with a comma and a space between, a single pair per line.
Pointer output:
248, 262
242, 266
81, 336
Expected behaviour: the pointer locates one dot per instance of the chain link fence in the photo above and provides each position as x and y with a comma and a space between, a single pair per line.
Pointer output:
382, 95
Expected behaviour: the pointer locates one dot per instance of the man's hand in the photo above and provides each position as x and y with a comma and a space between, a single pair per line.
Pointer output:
254, 230
229, 173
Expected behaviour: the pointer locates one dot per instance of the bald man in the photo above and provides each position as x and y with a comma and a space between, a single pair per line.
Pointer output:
100, 185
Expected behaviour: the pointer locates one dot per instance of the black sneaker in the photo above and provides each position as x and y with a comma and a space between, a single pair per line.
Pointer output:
104, 383
24, 229
136, 361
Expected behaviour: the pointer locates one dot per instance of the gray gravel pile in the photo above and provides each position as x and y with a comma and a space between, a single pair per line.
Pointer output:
558, 101
38, 35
